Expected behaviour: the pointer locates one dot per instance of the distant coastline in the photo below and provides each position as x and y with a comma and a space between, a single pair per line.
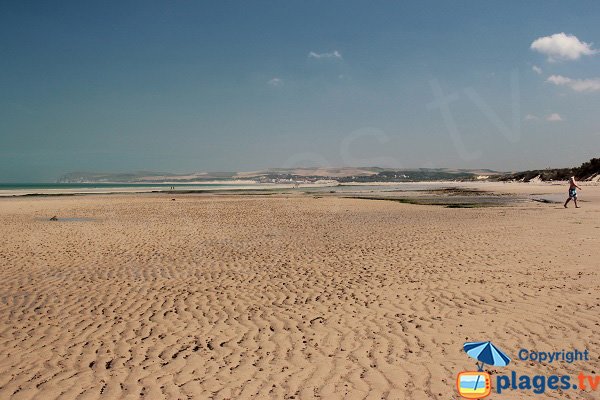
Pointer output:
588, 171
285, 178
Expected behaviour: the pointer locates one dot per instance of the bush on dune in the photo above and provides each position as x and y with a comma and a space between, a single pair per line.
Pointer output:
585, 171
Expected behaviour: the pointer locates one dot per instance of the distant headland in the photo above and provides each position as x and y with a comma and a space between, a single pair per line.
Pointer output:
588, 171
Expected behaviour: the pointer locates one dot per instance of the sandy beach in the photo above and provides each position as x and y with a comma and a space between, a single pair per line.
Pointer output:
289, 295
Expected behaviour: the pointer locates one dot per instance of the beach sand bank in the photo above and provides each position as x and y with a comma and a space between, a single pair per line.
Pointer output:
288, 295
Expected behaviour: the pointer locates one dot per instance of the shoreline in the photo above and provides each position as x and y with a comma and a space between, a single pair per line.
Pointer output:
143, 188
551, 187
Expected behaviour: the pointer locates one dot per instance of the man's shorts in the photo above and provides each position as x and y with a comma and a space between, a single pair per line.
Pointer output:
573, 193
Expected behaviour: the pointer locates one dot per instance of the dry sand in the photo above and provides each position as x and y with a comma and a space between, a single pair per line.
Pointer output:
236, 297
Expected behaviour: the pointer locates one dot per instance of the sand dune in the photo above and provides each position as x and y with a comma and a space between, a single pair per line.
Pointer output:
233, 297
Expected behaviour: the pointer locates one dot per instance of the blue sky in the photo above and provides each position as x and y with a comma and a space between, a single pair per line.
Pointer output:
222, 86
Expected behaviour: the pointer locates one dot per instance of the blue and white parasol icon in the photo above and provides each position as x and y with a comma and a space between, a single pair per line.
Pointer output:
486, 353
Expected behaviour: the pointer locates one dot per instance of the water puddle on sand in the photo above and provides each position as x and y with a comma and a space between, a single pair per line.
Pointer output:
548, 198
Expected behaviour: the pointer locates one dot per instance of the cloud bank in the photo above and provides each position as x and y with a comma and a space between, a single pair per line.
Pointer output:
562, 46
578, 85
554, 117
531, 117
333, 55
275, 82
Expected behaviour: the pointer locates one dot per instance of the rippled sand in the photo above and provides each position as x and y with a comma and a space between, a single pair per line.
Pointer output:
236, 297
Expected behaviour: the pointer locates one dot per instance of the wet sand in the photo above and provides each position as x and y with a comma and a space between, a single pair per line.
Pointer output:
288, 295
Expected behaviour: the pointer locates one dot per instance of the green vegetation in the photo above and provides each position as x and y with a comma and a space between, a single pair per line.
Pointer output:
585, 171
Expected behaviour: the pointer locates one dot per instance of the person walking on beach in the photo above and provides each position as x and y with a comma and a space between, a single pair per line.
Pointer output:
572, 192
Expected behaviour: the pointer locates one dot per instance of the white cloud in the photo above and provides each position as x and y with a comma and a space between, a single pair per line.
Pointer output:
275, 82
561, 46
554, 117
578, 85
334, 54
537, 69
531, 117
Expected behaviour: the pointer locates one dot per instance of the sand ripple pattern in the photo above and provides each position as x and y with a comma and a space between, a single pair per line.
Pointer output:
283, 297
